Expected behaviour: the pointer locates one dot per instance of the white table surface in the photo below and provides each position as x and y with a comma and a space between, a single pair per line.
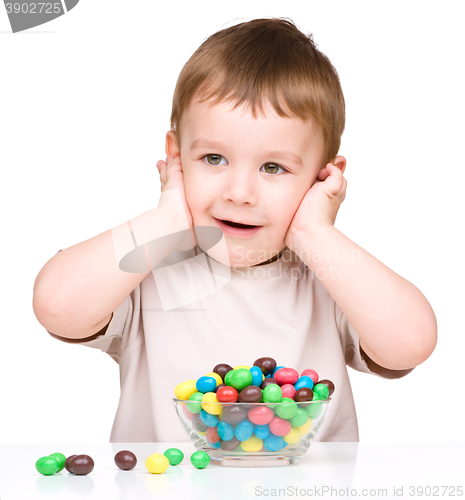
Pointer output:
350, 469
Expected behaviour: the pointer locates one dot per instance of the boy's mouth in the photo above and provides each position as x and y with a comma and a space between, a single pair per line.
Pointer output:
237, 229
236, 224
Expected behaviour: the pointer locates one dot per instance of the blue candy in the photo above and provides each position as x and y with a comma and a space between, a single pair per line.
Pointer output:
214, 445
209, 419
261, 431
244, 430
225, 431
206, 384
304, 381
257, 376
273, 442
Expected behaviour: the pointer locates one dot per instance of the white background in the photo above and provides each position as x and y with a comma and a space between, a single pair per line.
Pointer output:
85, 102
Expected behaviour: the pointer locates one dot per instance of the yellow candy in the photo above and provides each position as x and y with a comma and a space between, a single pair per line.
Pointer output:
184, 390
218, 379
252, 444
304, 429
157, 463
210, 397
242, 366
293, 436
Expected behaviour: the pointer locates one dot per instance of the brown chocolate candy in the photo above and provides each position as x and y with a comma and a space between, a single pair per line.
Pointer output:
67, 461
197, 424
230, 445
222, 369
303, 394
234, 414
266, 365
268, 381
250, 394
81, 465
328, 384
125, 460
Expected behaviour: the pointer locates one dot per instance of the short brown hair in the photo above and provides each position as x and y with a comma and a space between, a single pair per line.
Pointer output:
265, 60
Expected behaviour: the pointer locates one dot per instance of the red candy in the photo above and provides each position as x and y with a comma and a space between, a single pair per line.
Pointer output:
288, 391
226, 394
279, 426
212, 435
312, 374
286, 376
260, 415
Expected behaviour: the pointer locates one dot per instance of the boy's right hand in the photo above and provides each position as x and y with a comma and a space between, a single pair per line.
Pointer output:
172, 178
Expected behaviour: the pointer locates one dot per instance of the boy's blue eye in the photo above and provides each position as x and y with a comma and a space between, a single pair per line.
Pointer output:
213, 159
273, 167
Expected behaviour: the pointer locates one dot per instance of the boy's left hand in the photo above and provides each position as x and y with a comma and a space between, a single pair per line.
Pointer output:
319, 206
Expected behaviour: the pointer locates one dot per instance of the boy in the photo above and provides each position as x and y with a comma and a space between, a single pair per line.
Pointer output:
241, 258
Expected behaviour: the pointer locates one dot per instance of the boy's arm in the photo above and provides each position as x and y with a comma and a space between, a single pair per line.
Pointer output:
396, 324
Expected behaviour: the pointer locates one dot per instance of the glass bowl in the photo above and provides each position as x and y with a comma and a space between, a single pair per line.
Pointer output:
252, 434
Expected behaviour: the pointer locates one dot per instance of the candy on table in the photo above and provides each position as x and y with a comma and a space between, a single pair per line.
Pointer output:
200, 459
174, 456
47, 465
81, 465
157, 463
282, 420
125, 460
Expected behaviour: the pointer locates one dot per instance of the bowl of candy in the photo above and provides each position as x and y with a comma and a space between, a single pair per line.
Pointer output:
258, 416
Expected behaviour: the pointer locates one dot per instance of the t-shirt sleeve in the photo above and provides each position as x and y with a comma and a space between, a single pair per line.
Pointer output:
355, 357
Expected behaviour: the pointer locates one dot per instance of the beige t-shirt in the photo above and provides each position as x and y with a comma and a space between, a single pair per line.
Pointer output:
192, 313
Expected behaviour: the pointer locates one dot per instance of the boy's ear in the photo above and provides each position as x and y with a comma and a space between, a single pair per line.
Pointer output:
171, 144
340, 162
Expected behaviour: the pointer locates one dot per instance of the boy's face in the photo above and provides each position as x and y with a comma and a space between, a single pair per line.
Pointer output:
249, 170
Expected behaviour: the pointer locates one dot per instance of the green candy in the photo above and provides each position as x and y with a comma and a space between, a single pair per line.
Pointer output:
227, 378
61, 460
314, 409
321, 390
300, 418
272, 393
195, 407
287, 409
174, 456
47, 465
240, 378
200, 459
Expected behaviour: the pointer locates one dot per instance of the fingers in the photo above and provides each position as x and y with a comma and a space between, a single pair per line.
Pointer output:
334, 180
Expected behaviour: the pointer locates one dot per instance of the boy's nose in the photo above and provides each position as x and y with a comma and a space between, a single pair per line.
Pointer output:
240, 187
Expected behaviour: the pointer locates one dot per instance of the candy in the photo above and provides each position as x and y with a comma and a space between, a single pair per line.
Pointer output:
304, 394
260, 415
240, 378
195, 407
47, 465
222, 369
312, 374
207, 400
125, 460
227, 394
225, 431
185, 389
328, 384
272, 394
243, 430
287, 409
322, 391
253, 409
234, 414
266, 365
304, 381
157, 463
250, 394
257, 376
279, 426
206, 384
286, 376
67, 461
174, 456
61, 460
200, 459
252, 444
81, 465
